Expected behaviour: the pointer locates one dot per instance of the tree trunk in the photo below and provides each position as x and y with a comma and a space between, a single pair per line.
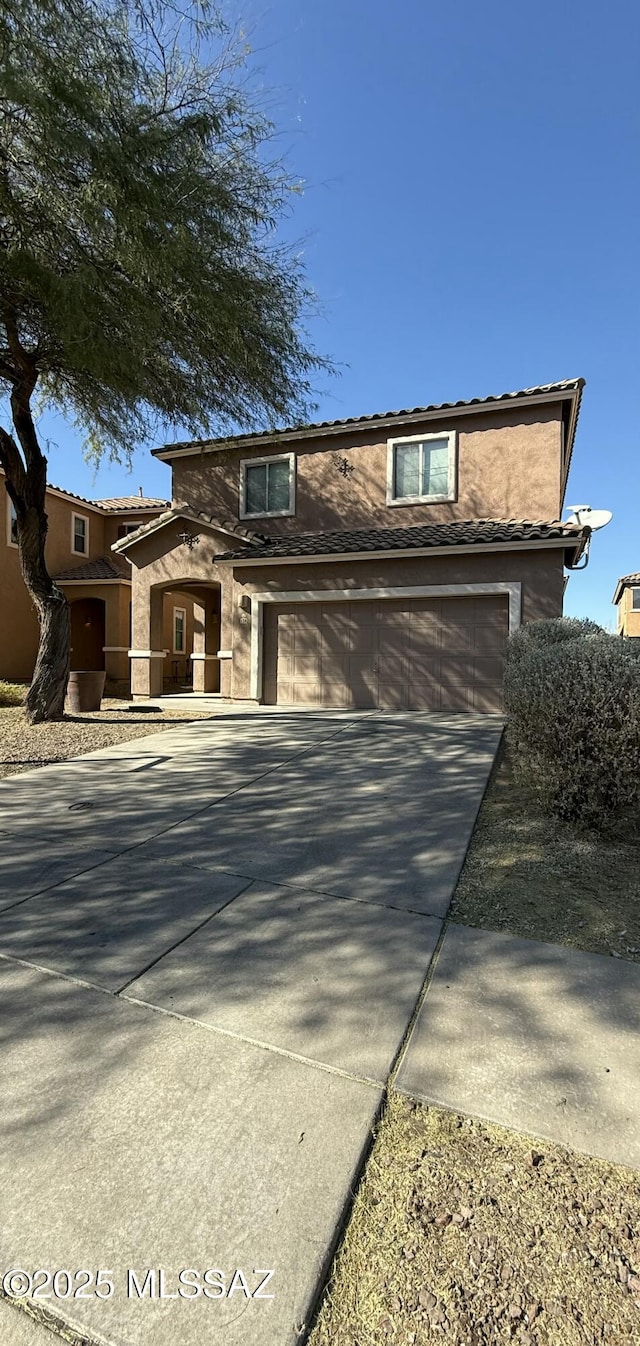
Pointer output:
26, 483
45, 698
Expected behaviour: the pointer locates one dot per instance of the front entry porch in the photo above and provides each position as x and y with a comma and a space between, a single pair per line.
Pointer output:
182, 657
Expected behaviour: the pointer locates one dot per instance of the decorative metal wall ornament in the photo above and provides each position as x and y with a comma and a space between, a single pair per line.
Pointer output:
189, 540
345, 468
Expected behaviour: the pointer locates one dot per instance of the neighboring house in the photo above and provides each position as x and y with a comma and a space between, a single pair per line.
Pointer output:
627, 601
96, 580
374, 561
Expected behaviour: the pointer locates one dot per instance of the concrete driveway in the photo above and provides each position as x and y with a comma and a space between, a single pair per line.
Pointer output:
212, 942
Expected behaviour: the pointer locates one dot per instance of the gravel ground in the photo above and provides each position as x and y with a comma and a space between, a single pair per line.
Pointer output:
540, 878
24, 746
467, 1234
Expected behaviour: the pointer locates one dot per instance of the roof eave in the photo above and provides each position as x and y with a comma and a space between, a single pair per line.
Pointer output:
570, 546
121, 579
576, 400
625, 582
167, 453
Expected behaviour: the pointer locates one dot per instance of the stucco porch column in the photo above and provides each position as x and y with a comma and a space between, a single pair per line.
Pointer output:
116, 646
225, 648
147, 653
206, 640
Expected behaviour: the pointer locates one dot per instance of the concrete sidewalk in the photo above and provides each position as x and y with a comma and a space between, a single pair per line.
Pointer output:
537, 1037
212, 942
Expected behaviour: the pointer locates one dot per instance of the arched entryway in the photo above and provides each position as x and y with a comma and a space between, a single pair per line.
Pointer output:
87, 634
184, 639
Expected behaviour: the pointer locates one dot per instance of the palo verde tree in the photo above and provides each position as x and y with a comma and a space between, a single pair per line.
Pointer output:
141, 281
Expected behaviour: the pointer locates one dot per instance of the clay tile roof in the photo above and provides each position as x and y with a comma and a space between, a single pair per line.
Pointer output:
118, 502
625, 582
103, 568
318, 427
457, 534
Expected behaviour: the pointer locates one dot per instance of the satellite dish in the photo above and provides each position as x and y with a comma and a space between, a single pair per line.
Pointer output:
592, 518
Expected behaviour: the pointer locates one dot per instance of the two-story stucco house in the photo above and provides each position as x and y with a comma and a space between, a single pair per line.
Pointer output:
378, 561
627, 601
96, 582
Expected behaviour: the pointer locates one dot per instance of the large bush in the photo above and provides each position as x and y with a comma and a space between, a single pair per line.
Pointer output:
573, 708
536, 635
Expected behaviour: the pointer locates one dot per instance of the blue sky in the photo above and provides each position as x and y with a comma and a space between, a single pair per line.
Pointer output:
470, 221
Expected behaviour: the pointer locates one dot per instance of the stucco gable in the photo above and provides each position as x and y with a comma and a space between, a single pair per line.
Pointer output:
204, 522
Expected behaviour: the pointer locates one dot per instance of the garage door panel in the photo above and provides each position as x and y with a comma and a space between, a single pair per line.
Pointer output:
304, 667
455, 637
424, 667
307, 645
495, 617
489, 639
304, 694
425, 695
488, 670
337, 620
455, 668
487, 700
424, 645
393, 668
392, 644
461, 609
364, 640
456, 698
424, 622
393, 696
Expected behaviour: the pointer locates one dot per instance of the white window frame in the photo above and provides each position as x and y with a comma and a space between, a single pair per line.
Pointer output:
85, 519
131, 526
635, 589
450, 494
183, 612
10, 506
289, 458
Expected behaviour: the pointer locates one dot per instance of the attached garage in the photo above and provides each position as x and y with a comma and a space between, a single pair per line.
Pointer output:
387, 653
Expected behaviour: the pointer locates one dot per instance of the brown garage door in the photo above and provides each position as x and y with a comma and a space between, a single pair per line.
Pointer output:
403, 654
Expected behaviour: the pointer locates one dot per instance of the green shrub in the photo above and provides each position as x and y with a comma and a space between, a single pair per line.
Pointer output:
12, 693
573, 721
536, 635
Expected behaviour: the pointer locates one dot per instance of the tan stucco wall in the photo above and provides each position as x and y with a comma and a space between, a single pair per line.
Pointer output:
509, 466
628, 619
18, 621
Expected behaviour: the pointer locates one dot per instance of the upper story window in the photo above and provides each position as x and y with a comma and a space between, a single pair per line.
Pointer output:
635, 599
12, 523
125, 528
79, 534
421, 468
267, 486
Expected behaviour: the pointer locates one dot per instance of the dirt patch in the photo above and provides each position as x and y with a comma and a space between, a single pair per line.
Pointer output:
540, 878
24, 746
465, 1233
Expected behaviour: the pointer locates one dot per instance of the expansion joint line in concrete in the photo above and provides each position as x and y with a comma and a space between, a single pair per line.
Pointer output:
307, 1328
59, 1327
